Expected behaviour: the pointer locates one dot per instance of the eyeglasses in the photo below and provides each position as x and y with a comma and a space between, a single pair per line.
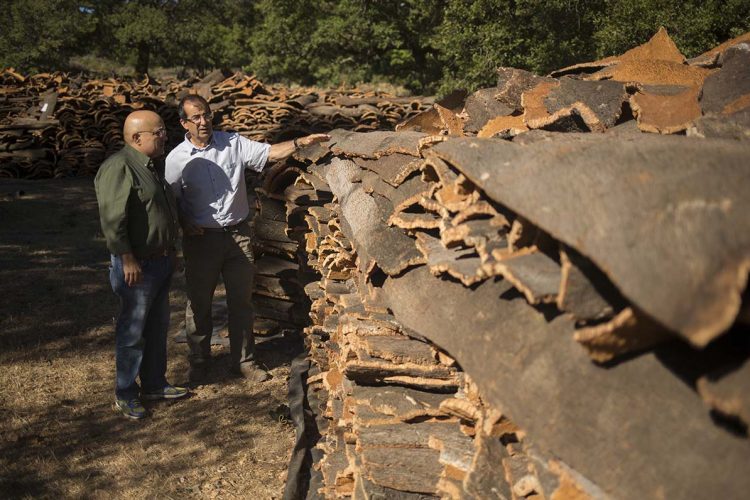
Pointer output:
197, 118
160, 132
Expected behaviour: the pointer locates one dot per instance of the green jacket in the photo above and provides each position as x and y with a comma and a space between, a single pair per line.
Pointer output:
137, 209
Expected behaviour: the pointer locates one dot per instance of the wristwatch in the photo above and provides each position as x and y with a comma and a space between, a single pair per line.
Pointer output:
296, 146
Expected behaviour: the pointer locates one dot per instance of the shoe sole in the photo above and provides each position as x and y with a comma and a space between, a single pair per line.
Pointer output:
127, 415
156, 397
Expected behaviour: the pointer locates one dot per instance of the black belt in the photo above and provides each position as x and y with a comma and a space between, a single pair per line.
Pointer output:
225, 229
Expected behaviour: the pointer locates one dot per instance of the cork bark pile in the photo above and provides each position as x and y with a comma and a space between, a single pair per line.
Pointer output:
60, 124
535, 292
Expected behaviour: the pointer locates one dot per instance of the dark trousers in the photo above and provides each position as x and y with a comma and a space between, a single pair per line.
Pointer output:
141, 329
228, 254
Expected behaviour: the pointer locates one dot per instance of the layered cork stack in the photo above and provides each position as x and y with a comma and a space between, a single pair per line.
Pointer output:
538, 292
60, 124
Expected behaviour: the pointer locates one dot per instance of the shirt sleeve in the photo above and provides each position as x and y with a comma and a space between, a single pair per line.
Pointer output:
254, 154
173, 175
113, 186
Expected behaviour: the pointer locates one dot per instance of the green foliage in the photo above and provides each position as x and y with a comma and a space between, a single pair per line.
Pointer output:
423, 45
538, 35
280, 45
41, 34
347, 41
142, 28
694, 25
211, 34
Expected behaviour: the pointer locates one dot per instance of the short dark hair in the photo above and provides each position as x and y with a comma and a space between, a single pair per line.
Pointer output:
192, 98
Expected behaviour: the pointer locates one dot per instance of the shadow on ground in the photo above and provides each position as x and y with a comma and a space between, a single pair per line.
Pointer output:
59, 436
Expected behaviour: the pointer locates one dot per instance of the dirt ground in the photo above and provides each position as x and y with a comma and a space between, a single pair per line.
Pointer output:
59, 435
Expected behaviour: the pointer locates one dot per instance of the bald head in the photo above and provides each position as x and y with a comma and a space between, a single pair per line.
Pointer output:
144, 131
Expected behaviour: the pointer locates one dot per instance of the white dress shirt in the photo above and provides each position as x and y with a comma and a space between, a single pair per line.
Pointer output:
209, 183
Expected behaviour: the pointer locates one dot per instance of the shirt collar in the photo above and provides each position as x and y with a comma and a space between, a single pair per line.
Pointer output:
195, 149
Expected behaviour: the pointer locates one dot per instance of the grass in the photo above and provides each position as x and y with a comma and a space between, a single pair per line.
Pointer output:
59, 436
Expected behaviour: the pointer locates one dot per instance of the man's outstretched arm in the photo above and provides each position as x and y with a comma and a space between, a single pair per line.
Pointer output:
283, 150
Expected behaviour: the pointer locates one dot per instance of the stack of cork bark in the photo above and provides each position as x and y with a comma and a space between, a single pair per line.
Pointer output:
58, 124
554, 309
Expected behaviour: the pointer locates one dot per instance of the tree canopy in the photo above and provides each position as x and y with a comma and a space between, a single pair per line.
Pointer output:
424, 45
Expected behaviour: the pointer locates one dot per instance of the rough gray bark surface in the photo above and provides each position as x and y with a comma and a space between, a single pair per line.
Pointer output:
663, 217
519, 359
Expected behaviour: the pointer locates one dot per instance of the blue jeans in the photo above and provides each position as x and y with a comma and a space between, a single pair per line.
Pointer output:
141, 330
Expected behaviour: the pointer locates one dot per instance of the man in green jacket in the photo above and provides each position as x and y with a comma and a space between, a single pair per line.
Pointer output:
138, 216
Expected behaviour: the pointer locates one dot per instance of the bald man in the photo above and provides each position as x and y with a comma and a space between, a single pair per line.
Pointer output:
138, 216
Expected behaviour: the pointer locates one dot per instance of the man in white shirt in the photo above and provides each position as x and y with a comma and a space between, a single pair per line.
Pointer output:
207, 175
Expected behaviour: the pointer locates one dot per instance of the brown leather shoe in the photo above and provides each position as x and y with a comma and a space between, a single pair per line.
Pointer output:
253, 372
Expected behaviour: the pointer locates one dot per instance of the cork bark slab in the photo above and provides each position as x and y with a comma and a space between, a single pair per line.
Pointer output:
274, 266
406, 220
625, 333
410, 192
273, 230
428, 122
711, 58
372, 183
318, 170
653, 72
585, 292
504, 127
660, 47
301, 195
451, 124
415, 435
667, 110
520, 476
512, 83
399, 349
533, 274
518, 360
393, 169
280, 248
375, 144
314, 290
365, 489
574, 105
473, 233
735, 127
486, 478
335, 463
463, 264
727, 91
388, 246
287, 312
663, 217
415, 470
322, 214
728, 391
481, 107
272, 209
396, 403
456, 449
380, 358
276, 287
726, 97
311, 180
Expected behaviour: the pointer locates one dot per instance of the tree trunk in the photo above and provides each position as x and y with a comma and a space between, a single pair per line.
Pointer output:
144, 57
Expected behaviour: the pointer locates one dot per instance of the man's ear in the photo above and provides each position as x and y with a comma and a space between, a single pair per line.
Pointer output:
137, 138
184, 124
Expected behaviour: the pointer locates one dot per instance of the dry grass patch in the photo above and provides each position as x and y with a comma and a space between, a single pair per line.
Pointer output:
59, 434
